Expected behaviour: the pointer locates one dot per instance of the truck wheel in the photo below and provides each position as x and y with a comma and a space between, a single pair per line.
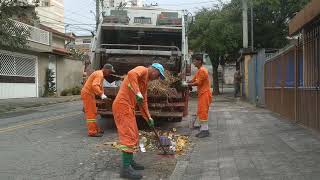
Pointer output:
107, 122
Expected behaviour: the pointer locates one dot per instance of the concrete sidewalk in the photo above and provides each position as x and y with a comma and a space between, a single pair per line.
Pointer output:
9, 105
248, 143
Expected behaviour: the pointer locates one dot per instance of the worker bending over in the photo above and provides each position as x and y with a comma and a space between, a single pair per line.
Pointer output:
94, 87
133, 91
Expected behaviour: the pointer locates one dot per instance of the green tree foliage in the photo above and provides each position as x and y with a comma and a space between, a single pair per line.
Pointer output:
218, 30
13, 35
271, 18
78, 54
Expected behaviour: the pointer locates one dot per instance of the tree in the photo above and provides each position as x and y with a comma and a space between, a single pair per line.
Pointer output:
78, 54
218, 30
271, 18
12, 35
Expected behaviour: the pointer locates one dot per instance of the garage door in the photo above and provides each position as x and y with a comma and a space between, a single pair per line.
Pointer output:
18, 75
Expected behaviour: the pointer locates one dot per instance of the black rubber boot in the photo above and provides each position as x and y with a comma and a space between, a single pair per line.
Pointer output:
137, 166
203, 134
129, 173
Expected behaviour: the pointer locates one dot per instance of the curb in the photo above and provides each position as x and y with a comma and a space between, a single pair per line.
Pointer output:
30, 105
179, 170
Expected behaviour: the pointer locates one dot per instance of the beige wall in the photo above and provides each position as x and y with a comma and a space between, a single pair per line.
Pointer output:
58, 41
69, 74
52, 15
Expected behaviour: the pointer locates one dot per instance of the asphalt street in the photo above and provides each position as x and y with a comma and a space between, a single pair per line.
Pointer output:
51, 142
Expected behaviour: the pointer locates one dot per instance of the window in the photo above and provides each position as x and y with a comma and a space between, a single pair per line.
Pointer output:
86, 41
45, 3
142, 20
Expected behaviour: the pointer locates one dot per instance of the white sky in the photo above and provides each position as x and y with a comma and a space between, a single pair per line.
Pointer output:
82, 21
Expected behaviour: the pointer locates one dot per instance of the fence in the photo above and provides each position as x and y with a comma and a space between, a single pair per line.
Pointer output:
256, 77
253, 77
292, 80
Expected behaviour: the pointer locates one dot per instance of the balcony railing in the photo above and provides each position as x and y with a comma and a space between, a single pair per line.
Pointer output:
36, 35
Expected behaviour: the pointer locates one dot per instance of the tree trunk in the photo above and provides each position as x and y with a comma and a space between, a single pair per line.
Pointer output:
215, 81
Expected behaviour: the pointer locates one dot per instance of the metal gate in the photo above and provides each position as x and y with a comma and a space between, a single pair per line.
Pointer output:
292, 80
18, 75
308, 76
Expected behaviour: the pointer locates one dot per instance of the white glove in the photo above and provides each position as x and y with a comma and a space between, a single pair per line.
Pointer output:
103, 96
184, 84
139, 98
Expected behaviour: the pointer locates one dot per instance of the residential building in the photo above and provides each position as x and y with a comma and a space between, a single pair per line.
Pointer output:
23, 72
128, 3
83, 43
51, 14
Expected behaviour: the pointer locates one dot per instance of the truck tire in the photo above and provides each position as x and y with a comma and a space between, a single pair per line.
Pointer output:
107, 122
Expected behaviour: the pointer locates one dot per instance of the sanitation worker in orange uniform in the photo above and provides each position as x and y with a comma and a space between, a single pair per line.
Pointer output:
92, 88
133, 91
201, 80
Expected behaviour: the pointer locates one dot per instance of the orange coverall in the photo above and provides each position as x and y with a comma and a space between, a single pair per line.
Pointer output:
92, 87
204, 93
123, 107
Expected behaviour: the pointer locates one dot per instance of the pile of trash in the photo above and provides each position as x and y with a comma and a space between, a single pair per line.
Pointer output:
171, 141
148, 142
163, 87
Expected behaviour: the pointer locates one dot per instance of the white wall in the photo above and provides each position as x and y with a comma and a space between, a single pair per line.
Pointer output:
17, 90
229, 74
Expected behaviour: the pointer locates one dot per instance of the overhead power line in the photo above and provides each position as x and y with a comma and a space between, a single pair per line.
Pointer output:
183, 4
61, 21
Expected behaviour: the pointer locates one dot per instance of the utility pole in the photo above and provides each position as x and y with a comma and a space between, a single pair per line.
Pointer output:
245, 23
97, 13
252, 42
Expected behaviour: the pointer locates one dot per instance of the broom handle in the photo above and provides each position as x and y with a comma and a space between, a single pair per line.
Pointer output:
155, 132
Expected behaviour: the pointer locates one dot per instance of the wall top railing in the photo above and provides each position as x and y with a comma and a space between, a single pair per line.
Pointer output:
36, 35
272, 56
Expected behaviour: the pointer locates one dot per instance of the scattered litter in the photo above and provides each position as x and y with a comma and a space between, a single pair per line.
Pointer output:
148, 142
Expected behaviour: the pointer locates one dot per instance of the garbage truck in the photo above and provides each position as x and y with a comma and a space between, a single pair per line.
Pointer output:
130, 37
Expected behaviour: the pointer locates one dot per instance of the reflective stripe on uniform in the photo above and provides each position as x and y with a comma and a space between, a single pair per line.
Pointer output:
91, 120
124, 147
129, 86
128, 149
